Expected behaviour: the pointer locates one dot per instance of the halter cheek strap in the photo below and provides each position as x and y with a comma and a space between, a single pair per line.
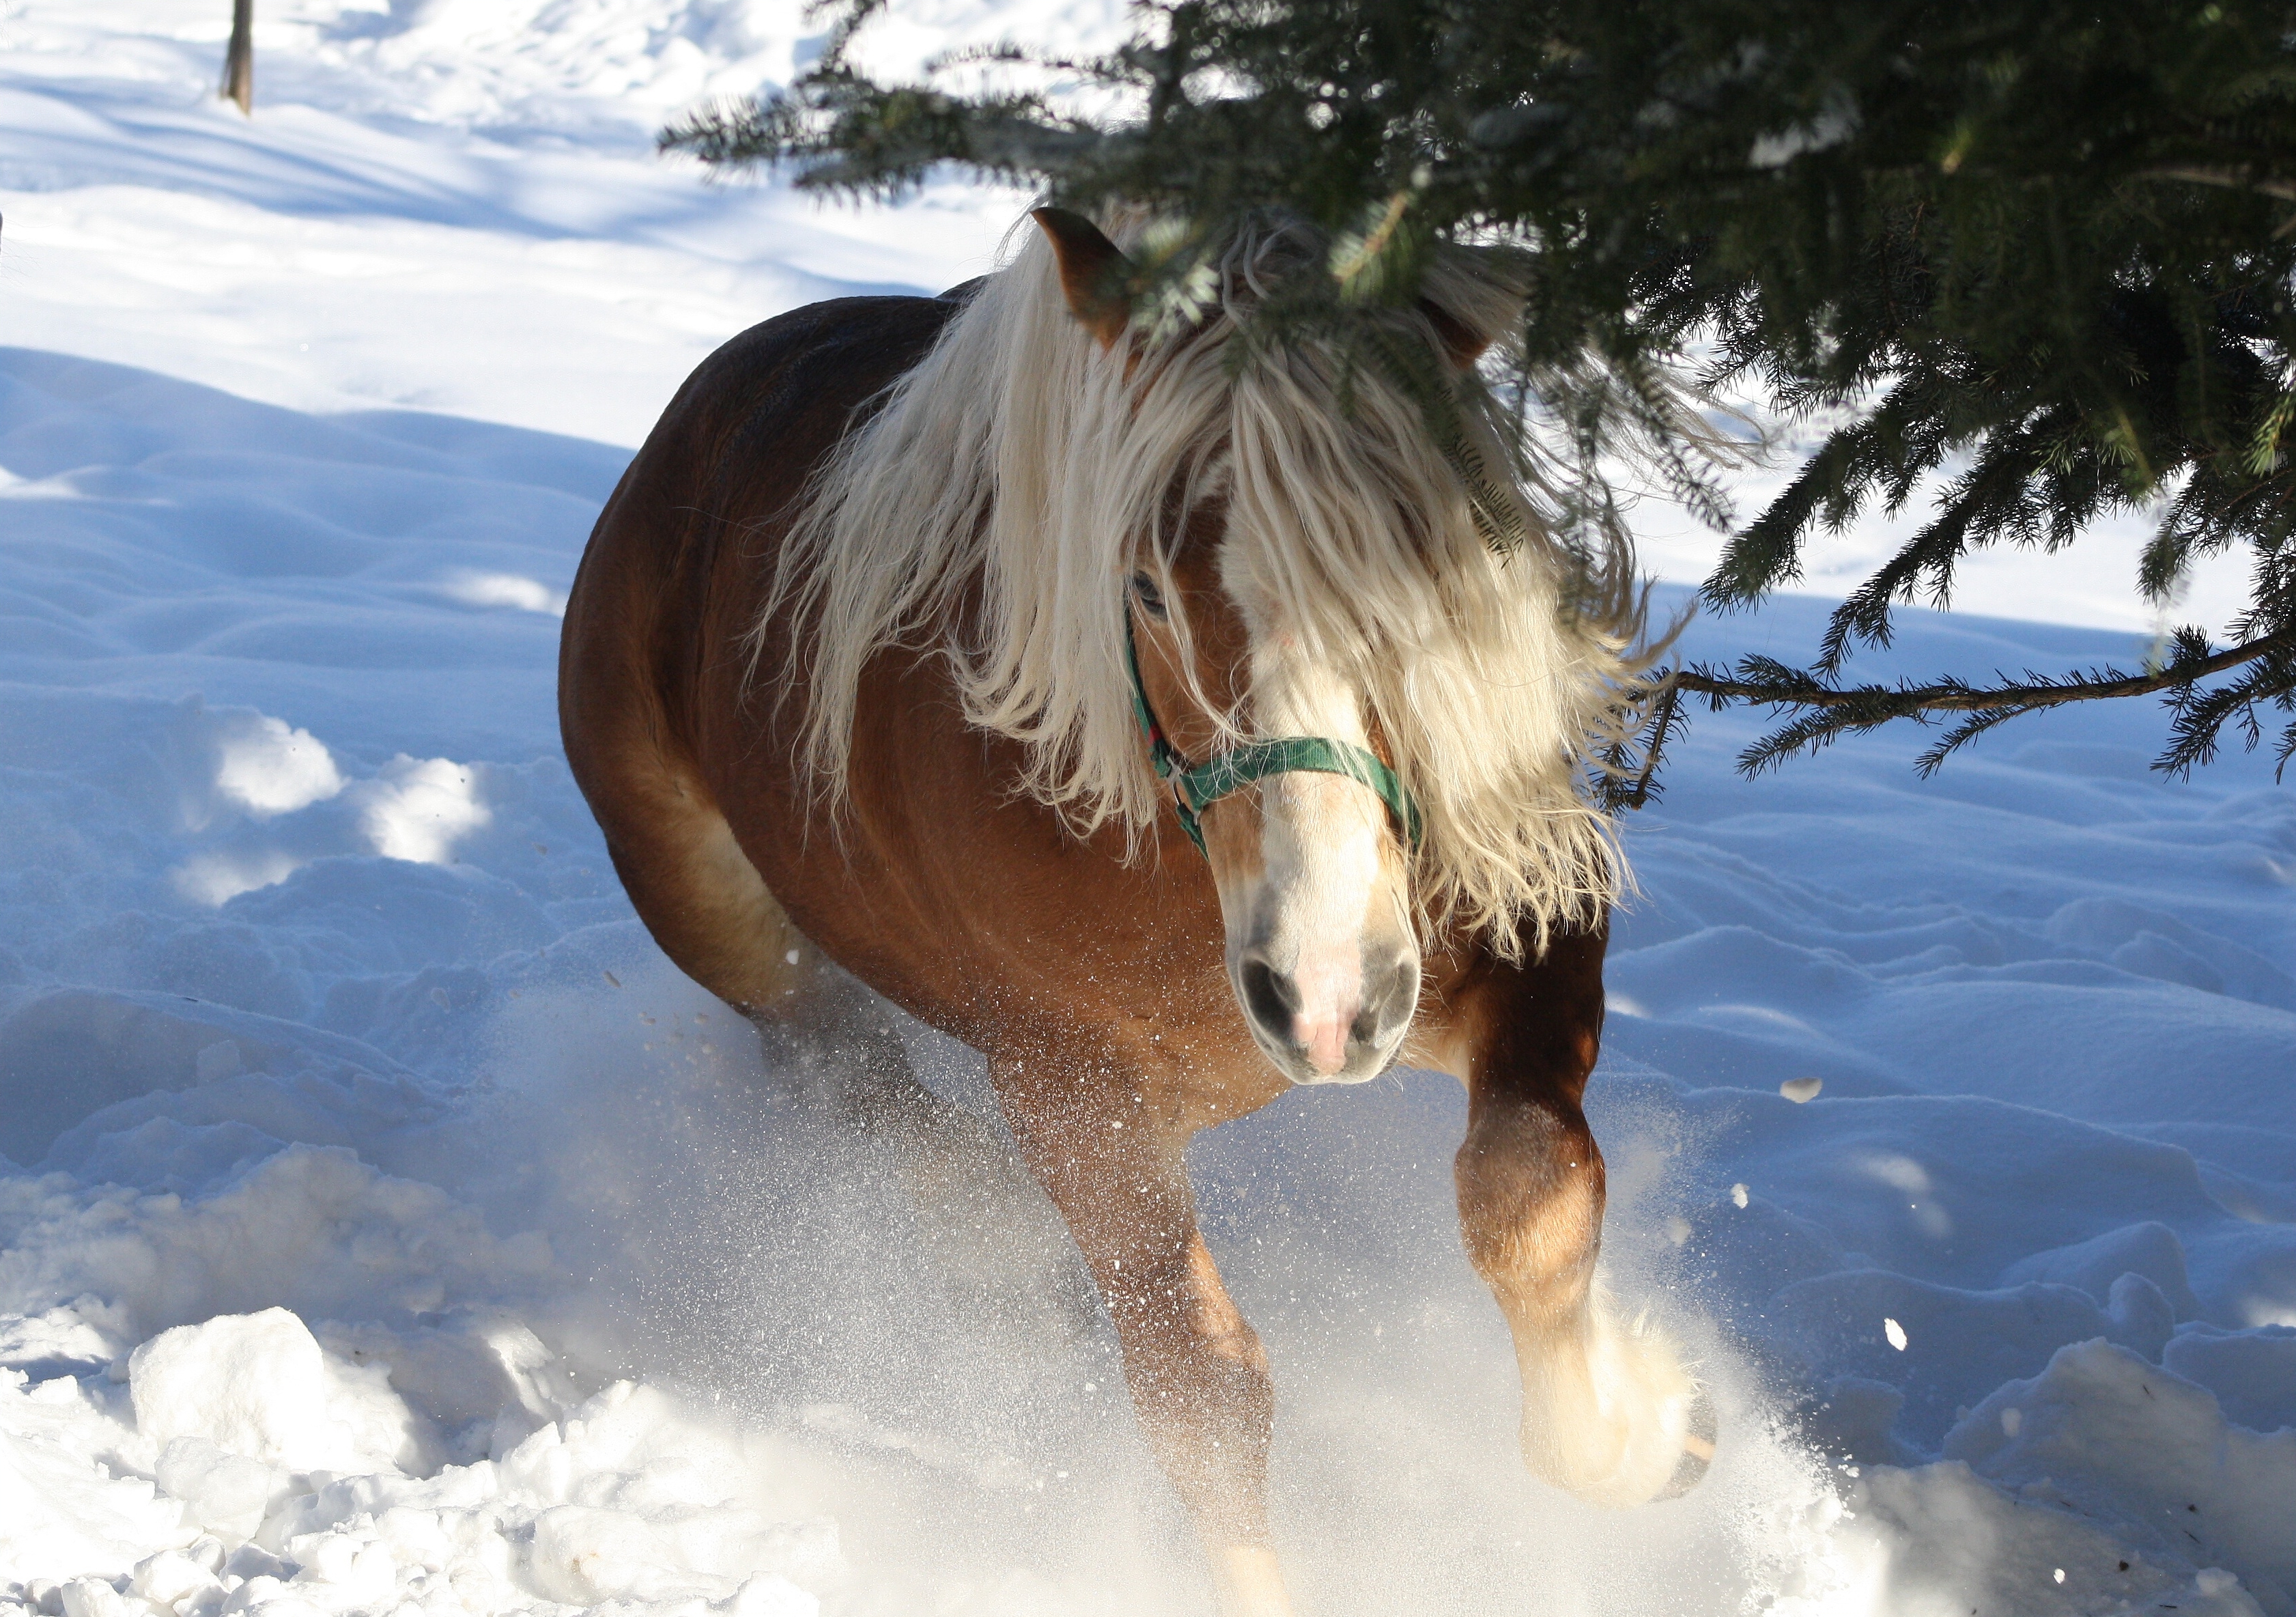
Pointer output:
1196, 787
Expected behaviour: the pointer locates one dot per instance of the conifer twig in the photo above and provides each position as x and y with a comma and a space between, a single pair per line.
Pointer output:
1824, 711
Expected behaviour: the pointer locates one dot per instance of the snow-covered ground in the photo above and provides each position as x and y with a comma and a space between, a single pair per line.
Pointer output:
384, 1225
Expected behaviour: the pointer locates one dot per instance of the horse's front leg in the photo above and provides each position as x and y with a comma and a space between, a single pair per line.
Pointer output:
1198, 1375
1608, 1412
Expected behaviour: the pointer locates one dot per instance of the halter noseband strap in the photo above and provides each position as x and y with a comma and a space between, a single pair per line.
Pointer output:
1196, 787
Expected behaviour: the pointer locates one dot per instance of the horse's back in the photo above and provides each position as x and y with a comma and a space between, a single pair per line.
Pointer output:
669, 588
734, 447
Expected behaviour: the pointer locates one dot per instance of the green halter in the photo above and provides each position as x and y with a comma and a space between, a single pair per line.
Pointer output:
1196, 787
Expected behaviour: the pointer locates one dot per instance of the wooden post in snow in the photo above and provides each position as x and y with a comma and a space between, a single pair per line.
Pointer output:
238, 59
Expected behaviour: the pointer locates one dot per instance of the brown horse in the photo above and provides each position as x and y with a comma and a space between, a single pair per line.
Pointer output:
871, 670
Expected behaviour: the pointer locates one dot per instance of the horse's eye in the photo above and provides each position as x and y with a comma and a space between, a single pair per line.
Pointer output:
1151, 598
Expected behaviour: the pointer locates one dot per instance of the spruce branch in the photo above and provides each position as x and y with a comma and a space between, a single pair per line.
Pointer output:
1824, 711
2232, 179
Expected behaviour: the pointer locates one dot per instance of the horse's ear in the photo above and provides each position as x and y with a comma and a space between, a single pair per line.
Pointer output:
1094, 273
1460, 346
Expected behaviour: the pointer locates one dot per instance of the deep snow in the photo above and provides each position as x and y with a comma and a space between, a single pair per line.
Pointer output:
384, 1223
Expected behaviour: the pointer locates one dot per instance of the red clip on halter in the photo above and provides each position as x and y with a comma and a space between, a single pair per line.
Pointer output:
1196, 787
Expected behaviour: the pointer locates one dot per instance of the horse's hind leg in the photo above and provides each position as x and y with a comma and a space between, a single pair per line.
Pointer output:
980, 1214
836, 1046
686, 873
1609, 1414
825, 1034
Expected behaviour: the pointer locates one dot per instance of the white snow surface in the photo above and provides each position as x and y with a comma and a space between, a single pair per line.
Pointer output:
386, 1226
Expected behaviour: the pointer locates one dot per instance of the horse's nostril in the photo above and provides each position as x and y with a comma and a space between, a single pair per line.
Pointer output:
1389, 1000
1270, 997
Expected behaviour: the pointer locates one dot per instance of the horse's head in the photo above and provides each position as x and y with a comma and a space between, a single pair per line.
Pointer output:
1312, 864
1322, 639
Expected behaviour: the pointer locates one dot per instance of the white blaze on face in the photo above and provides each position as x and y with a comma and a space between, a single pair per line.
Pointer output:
1324, 891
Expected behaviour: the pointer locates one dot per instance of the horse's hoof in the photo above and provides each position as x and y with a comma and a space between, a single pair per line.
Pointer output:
1636, 1429
1698, 1440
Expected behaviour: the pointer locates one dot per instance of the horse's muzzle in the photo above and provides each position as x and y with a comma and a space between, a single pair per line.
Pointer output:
1322, 1037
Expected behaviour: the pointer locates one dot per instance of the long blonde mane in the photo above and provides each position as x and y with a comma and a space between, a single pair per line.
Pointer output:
1022, 460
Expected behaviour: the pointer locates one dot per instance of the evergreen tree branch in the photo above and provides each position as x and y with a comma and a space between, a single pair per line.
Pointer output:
2232, 179
1824, 711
